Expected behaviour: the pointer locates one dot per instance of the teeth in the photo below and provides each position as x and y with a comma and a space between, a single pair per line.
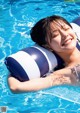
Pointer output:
66, 42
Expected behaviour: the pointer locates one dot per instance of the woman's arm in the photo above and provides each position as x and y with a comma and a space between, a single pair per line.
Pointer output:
63, 76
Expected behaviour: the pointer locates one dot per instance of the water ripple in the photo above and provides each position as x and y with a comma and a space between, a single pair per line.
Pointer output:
16, 19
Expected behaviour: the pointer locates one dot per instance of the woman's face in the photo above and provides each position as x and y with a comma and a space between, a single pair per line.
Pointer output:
63, 37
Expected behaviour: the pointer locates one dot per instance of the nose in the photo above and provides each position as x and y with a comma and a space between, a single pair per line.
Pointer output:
63, 33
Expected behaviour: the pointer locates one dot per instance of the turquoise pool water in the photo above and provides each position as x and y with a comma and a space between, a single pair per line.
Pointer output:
16, 19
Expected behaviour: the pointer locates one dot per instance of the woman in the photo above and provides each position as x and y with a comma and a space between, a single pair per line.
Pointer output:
55, 34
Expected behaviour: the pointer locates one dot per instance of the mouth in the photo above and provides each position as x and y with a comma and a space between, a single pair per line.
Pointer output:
67, 41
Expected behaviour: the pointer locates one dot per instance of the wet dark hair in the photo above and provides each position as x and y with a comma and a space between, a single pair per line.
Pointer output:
42, 29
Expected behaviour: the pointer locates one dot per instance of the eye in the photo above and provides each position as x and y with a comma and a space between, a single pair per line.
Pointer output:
67, 28
55, 35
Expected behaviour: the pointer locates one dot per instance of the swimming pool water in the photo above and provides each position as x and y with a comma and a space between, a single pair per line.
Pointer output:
16, 19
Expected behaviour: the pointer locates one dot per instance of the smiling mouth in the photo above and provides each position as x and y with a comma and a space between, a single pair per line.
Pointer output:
67, 41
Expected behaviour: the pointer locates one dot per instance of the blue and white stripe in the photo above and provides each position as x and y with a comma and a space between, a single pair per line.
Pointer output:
30, 63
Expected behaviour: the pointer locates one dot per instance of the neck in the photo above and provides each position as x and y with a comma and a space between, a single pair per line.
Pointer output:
71, 57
